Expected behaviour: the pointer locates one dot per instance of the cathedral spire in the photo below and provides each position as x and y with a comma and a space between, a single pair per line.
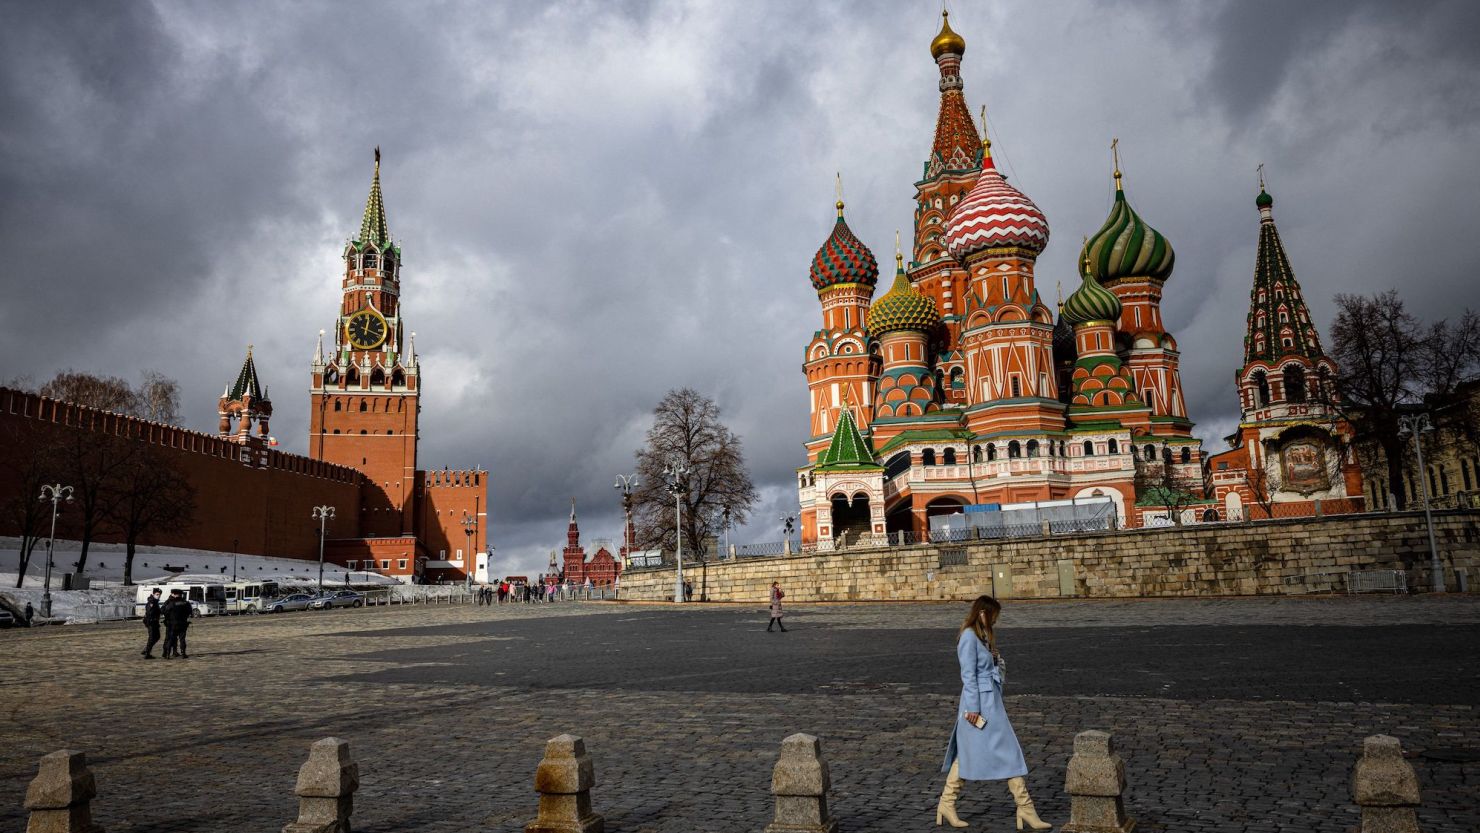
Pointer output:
956, 144
372, 225
1279, 324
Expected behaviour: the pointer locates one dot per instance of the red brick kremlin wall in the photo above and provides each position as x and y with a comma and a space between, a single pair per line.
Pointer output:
262, 506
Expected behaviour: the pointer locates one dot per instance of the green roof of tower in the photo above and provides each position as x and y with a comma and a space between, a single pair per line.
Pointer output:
246, 381
849, 448
372, 227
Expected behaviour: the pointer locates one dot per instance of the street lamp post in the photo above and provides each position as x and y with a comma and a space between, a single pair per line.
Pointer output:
625, 484
726, 524
470, 527
786, 530
322, 514
56, 493
235, 545
1418, 424
676, 471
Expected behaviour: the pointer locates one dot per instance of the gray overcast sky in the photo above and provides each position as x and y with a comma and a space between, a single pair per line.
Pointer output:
599, 201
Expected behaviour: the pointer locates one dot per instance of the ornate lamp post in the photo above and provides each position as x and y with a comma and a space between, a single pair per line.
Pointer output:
676, 472
787, 527
322, 514
56, 493
470, 528
235, 545
1417, 424
626, 483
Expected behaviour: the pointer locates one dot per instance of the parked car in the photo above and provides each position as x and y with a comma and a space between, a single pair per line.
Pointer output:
7, 619
342, 598
297, 601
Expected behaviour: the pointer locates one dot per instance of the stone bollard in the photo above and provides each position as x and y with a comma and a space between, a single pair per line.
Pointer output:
564, 780
60, 797
800, 783
1096, 786
1385, 787
326, 789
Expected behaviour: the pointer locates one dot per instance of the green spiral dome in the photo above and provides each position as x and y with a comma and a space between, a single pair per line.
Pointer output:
1090, 302
903, 307
1126, 247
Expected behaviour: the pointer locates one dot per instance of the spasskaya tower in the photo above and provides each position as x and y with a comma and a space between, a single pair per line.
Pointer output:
365, 390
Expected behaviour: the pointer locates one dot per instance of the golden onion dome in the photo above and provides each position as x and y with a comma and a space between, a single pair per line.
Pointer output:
903, 307
947, 41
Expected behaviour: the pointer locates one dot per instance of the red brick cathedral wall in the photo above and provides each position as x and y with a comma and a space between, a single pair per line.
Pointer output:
261, 507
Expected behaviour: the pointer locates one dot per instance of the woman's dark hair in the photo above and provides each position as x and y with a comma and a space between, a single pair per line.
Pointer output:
983, 626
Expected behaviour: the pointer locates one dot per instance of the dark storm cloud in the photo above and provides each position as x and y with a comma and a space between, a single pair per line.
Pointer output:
599, 202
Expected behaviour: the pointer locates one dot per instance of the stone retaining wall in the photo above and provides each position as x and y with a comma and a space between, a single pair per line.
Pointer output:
1302, 555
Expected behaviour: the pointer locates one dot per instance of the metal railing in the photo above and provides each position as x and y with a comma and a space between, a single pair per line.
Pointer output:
1377, 581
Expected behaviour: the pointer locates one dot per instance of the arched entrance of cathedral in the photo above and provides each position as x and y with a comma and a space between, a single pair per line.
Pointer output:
850, 518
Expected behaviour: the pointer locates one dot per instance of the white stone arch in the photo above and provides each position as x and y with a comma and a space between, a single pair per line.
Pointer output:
1233, 506
1116, 498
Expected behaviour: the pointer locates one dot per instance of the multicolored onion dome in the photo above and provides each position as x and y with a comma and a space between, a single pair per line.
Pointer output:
1090, 302
994, 215
903, 307
947, 41
843, 259
1125, 247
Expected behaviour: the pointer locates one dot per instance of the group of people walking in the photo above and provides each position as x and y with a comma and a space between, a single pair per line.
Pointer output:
175, 614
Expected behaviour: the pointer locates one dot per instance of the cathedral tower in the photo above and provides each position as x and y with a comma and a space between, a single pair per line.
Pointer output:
949, 173
1133, 260
838, 362
364, 393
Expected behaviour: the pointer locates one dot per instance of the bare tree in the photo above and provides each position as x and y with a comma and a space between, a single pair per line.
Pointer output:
158, 398
1390, 364
1164, 485
92, 460
31, 465
687, 429
153, 496
1261, 486
105, 393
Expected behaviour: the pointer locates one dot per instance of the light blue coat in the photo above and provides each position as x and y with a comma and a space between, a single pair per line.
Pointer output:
993, 753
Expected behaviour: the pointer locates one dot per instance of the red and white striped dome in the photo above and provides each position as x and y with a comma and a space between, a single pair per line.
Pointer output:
994, 215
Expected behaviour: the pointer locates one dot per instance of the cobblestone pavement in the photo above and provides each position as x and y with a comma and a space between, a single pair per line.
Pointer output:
1233, 715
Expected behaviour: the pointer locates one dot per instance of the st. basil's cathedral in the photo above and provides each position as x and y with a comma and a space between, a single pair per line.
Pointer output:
958, 386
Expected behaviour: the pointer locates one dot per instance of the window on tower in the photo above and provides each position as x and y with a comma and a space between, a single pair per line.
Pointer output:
1186, 455
364, 406
1017, 387
338, 406
949, 457
928, 458
1014, 450
1261, 389
991, 452
1114, 447
1294, 384
1032, 448
1089, 448
371, 261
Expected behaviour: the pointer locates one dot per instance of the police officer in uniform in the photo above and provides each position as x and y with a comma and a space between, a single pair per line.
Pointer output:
151, 623
176, 622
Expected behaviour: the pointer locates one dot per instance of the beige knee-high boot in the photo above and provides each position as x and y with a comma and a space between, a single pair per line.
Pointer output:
1025, 812
946, 809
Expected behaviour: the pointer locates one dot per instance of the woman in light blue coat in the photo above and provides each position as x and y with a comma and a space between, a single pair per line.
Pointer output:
983, 746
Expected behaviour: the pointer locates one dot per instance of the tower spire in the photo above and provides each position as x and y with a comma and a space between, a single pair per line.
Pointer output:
986, 142
956, 143
372, 225
1115, 154
840, 194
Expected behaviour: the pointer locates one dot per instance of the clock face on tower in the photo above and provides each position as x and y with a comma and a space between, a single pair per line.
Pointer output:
366, 329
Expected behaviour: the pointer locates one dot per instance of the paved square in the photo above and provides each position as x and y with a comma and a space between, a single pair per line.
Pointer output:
1232, 715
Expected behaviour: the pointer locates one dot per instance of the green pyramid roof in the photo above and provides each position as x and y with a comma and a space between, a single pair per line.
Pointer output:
849, 448
372, 227
246, 381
